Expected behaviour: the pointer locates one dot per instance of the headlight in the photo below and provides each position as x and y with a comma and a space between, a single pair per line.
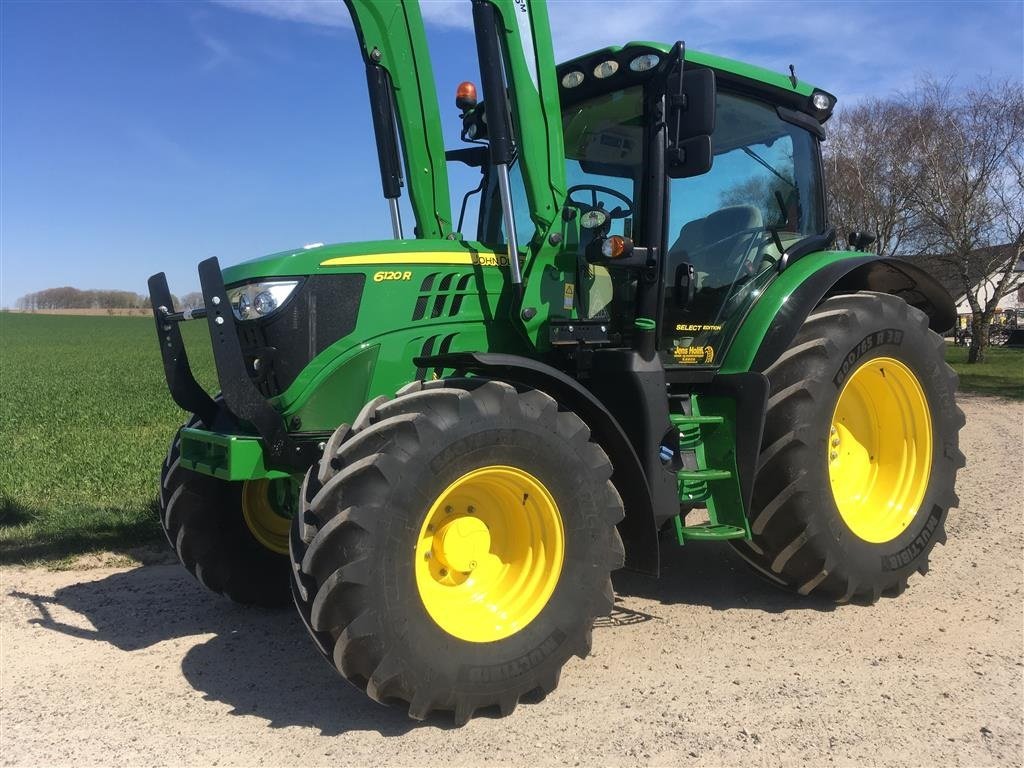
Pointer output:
593, 219
572, 79
254, 300
644, 62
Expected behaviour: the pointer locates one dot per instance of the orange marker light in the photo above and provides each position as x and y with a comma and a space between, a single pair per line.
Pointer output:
614, 247
465, 96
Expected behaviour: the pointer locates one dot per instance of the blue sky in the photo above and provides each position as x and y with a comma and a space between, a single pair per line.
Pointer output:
145, 136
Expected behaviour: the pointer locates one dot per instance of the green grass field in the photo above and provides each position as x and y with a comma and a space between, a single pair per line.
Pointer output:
85, 419
1001, 374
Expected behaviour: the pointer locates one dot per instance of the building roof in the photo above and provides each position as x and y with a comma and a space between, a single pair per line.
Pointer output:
982, 263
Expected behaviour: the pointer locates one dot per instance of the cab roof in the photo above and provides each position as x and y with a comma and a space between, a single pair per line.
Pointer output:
775, 86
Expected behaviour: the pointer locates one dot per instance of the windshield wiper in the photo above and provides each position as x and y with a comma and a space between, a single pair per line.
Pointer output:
757, 158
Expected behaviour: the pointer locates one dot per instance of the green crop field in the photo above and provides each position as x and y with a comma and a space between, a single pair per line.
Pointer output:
85, 420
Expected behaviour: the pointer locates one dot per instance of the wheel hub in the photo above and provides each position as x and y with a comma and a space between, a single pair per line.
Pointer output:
489, 554
880, 449
462, 544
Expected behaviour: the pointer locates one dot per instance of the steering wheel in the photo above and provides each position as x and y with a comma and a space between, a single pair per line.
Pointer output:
595, 189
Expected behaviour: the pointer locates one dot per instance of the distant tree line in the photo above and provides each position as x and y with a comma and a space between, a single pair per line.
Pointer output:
67, 297
937, 176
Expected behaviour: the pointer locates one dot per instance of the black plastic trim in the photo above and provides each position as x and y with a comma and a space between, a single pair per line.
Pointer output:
802, 120
807, 245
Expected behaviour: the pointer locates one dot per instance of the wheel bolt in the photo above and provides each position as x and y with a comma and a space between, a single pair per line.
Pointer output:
471, 510
426, 556
833, 456
448, 510
832, 430
444, 572
835, 441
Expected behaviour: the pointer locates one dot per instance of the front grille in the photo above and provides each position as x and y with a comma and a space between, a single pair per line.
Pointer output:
323, 309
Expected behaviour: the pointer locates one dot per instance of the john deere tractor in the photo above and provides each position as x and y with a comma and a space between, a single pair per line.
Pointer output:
441, 445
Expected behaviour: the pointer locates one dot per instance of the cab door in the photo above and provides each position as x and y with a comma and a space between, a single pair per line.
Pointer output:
727, 228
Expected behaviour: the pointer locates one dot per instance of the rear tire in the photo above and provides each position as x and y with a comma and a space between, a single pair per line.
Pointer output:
203, 521
357, 546
801, 538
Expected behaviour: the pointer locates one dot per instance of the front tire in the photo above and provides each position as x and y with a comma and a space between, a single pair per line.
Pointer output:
212, 526
860, 452
454, 546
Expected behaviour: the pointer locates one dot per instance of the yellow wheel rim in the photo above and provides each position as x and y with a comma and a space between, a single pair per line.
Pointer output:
880, 449
489, 554
261, 517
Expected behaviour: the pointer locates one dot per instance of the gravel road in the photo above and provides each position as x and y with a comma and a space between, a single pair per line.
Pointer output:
708, 666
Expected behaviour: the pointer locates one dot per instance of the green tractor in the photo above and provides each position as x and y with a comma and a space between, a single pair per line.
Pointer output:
440, 446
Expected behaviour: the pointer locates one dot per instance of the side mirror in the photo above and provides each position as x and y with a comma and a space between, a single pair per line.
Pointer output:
690, 105
859, 241
693, 158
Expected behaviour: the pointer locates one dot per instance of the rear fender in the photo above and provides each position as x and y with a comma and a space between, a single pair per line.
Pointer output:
773, 322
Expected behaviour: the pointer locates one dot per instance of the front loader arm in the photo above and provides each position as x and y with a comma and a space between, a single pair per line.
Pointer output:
525, 34
392, 37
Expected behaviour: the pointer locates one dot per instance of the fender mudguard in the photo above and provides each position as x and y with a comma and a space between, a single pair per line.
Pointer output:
774, 320
638, 531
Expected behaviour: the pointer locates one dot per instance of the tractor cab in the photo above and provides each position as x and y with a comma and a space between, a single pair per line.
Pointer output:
744, 187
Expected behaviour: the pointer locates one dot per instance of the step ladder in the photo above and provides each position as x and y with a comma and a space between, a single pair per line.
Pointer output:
695, 484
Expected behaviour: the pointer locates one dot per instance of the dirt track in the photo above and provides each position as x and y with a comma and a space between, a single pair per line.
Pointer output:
708, 666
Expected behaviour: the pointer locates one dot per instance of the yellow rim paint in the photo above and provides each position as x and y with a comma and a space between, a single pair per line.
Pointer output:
439, 257
880, 449
489, 554
263, 521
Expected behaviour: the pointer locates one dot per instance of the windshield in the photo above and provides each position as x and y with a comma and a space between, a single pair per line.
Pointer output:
604, 161
603, 148
604, 142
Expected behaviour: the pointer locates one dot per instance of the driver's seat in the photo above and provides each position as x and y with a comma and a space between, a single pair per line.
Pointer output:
705, 243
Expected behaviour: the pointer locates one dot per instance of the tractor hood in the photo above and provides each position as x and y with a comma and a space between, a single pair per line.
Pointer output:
310, 260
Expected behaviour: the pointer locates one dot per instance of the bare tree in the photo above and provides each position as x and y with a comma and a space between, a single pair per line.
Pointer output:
963, 156
868, 187
192, 300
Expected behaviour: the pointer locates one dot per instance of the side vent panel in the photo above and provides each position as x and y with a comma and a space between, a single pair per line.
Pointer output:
441, 295
439, 344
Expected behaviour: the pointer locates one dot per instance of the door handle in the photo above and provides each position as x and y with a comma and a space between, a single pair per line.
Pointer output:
685, 285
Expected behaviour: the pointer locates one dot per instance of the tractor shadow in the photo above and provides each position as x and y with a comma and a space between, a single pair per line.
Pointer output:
711, 575
259, 662
262, 663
